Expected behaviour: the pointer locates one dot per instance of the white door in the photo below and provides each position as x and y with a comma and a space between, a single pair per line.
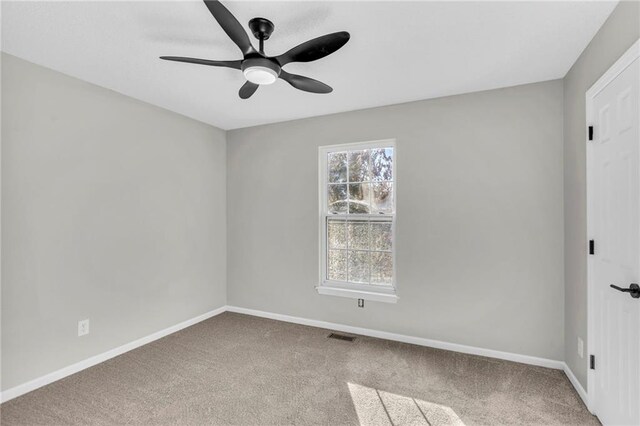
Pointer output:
614, 217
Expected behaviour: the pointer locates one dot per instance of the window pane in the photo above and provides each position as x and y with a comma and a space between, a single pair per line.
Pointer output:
337, 265
358, 235
359, 166
337, 198
337, 234
359, 266
381, 164
382, 197
380, 236
359, 198
338, 167
381, 268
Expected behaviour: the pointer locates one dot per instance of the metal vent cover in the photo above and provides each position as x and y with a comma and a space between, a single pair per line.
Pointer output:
341, 337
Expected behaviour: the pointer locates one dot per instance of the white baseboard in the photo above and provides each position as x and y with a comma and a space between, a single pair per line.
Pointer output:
578, 387
97, 359
525, 359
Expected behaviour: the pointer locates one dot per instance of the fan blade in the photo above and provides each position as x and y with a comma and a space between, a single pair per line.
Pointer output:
230, 25
247, 90
315, 49
305, 83
228, 64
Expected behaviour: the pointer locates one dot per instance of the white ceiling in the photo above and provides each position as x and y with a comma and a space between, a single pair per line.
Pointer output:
398, 52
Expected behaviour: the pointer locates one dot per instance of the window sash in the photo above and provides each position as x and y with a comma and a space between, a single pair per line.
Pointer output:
347, 250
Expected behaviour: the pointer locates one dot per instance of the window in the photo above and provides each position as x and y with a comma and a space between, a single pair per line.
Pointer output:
357, 220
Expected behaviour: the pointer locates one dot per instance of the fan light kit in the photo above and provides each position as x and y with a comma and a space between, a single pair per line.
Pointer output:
260, 69
260, 75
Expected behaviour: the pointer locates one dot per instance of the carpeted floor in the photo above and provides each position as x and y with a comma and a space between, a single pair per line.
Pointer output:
237, 369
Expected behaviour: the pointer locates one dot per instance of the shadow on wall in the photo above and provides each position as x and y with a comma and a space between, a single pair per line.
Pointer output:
376, 407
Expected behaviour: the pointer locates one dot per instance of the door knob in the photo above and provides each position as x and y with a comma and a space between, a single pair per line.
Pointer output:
633, 290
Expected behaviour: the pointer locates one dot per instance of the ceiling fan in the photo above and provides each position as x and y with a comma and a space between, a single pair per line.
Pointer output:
257, 67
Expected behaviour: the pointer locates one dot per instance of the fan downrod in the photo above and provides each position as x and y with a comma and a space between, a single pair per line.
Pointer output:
261, 28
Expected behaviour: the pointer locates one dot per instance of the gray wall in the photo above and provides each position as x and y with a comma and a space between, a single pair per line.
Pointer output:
112, 210
617, 34
480, 220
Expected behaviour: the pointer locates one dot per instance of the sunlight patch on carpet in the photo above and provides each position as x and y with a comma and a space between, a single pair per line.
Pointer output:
376, 407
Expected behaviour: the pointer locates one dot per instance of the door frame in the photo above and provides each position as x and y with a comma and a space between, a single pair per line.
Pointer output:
632, 54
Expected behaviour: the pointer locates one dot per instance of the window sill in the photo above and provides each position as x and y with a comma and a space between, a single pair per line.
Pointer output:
357, 294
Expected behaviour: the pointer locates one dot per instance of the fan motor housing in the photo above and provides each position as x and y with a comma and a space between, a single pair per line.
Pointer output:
260, 62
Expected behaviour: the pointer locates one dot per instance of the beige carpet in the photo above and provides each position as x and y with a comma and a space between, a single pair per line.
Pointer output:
237, 369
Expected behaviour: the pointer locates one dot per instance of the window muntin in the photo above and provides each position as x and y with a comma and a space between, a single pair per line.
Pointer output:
358, 215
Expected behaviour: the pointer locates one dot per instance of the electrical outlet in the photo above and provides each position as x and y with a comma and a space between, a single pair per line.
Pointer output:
83, 327
580, 348
360, 303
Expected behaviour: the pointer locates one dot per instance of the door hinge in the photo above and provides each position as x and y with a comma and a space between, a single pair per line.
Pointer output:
592, 362
592, 247
590, 133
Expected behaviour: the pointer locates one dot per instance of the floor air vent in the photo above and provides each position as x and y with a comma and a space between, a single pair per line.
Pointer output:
341, 337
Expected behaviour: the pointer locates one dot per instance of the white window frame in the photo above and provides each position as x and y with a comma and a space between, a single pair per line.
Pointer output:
353, 290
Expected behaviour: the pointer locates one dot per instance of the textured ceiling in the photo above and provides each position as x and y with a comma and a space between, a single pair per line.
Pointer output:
398, 52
